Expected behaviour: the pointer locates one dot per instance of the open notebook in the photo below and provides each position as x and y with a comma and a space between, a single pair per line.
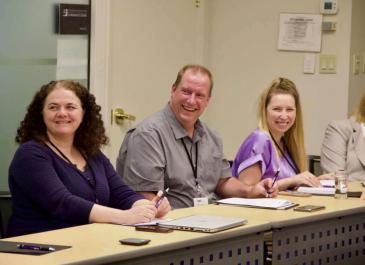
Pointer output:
204, 223
270, 203
327, 188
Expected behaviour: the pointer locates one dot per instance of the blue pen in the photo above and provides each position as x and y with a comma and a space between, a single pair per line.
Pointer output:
35, 247
159, 201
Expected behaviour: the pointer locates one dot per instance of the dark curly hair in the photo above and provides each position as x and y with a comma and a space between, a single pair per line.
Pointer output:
89, 137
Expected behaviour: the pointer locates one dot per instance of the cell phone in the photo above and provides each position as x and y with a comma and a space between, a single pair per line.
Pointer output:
354, 194
309, 208
134, 241
153, 228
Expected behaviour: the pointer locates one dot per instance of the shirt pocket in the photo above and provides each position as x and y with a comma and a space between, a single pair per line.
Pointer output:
212, 168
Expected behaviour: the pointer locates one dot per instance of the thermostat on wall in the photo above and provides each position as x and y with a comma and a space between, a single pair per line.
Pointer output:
328, 7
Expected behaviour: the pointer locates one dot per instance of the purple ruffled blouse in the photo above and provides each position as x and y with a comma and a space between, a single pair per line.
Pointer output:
259, 148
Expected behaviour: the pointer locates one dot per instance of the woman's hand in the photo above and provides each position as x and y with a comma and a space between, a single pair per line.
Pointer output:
142, 211
306, 179
265, 188
162, 205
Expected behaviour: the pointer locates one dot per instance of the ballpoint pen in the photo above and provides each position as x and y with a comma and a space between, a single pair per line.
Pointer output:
159, 201
35, 247
273, 183
275, 177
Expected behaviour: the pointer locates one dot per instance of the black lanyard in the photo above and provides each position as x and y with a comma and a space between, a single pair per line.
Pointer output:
90, 180
194, 168
291, 164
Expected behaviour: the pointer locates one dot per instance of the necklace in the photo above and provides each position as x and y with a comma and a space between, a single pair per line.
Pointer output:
89, 177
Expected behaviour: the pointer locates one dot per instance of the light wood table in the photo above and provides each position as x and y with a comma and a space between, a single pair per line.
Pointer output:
335, 235
98, 244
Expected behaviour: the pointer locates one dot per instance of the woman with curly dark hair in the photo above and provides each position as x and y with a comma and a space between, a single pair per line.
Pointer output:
59, 177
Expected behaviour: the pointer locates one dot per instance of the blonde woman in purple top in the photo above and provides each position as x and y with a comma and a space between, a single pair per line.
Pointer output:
276, 147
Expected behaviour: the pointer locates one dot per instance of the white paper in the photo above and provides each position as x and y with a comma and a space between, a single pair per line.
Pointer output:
329, 183
266, 203
300, 32
317, 190
153, 222
200, 201
309, 63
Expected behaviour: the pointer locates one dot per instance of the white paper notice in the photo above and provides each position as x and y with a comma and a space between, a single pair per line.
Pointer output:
300, 32
72, 58
309, 63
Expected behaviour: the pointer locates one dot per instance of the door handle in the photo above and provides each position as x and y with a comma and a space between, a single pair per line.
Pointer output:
119, 115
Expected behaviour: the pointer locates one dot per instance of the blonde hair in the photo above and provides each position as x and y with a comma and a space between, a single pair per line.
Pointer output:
360, 111
294, 137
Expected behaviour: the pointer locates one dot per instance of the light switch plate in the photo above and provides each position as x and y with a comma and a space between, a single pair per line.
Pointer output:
327, 64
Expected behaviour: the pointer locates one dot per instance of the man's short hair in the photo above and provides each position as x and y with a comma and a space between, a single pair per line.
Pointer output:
196, 68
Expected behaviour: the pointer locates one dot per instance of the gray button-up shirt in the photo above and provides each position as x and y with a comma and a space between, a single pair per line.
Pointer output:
152, 157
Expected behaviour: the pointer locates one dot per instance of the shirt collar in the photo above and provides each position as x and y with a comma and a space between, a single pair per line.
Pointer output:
178, 129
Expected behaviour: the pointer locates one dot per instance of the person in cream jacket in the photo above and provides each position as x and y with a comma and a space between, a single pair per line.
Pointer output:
343, 146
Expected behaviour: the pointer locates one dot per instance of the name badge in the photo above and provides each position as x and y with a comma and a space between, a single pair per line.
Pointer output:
200, 201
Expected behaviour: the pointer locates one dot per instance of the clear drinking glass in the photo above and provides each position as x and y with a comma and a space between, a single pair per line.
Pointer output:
341, 179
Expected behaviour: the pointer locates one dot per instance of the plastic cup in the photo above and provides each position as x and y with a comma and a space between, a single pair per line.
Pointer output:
341, 179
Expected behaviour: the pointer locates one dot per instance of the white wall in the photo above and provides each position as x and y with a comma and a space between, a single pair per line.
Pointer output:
237, 40
357, 82
243, 56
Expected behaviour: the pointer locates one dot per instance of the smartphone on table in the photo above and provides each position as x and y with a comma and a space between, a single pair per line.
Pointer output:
153, 228
309, 208
134, 241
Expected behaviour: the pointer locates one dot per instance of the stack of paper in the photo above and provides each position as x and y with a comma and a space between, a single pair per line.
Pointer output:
327, 183
317, 190
259, 203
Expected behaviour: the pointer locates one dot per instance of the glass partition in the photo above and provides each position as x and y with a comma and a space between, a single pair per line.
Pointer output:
32, 53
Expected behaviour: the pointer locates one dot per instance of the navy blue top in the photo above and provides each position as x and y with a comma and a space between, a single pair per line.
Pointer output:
49, 193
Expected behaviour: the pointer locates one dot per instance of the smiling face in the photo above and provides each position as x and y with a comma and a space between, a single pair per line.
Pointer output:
190, 98
62, 113
281, 114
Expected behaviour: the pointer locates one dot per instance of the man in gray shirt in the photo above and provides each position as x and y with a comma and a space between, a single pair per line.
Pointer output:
174, 149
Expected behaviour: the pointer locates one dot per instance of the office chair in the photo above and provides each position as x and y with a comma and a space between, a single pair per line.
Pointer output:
314, 165
2, 232
5, 211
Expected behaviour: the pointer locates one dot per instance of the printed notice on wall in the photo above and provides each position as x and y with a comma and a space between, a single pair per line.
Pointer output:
300, 32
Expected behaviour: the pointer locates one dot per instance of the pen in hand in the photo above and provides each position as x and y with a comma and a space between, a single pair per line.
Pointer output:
35, 247
273, 183
159, 201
